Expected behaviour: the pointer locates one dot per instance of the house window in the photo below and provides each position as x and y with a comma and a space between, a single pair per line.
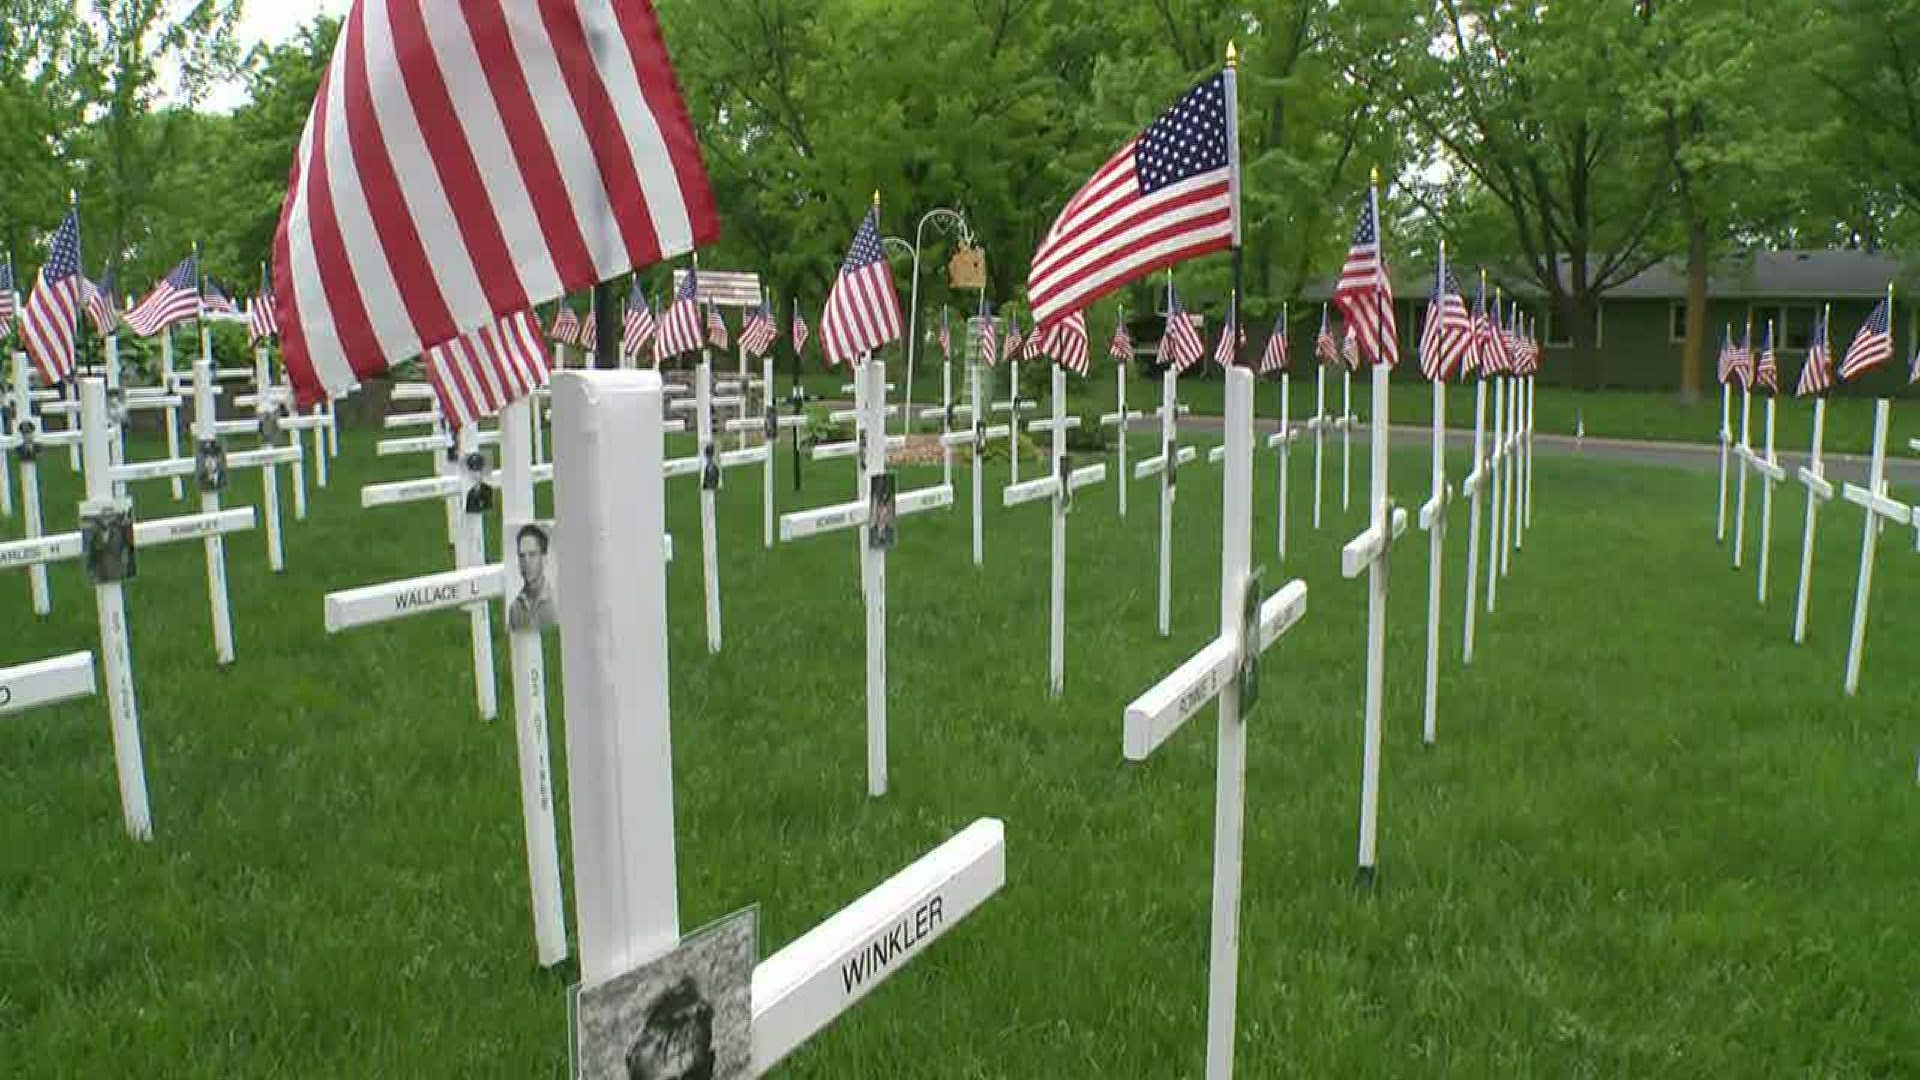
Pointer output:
1557, 336
1797, 321
1677, 323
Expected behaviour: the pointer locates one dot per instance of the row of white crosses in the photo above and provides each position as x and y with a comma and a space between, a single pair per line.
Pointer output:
1879, 510
873, 511
106, 541
978, 431
1166, 465
1504, 473
610, 457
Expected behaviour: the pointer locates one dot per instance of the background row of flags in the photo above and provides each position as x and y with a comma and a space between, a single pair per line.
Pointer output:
1871, 348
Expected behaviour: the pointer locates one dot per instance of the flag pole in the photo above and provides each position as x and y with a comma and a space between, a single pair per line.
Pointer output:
1234, 309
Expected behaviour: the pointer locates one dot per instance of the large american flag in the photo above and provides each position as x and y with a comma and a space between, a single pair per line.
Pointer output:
638, 322
1326, 347
1169, 195
717, 329
478, 374
1121, 347
101, 306
1872, 346
9, 302
1365, 295
678, 330
1180, 343
756, 333
465, 161
1817, 376
1066, 341
1274, 357
261, 322
174, 299
50, 319
1768, 372
1447, 339
863, 311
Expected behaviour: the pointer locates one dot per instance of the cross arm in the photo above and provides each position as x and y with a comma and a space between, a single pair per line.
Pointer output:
1371, 546
1113, 419
1071, 423
1436, 507
411, 419
1153, 717
1030, 491
843, 416
46, 682
1877, 504
407, 491
1087, 476
1773, 471
417, 444
965, 437
391, 600
1818, 485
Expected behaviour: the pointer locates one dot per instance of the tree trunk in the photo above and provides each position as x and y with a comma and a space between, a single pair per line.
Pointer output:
1578, 311
1694, 351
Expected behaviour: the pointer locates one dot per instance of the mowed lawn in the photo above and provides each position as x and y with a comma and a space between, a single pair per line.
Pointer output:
1654, 838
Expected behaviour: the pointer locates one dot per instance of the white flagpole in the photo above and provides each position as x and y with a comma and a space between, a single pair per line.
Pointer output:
980, 415
1120, 403
1319, 436
1766, 501
1169, 401
873, 575
1726, 442
173, 414
1814, 477
709, 526
1436, 524
1494, 466
1346, 437
1746, 448
1473, 518
269, 473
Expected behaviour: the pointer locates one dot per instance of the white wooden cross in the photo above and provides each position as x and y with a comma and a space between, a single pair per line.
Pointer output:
1121, 419
1225, 670
977, 435
28, 440
1526, 427
1166, 464
1058, 486
1345, 424
1014, 407
1371, 553
1510, 475
1433, 520
872, 480
170, 383
1771, 473
1726, 449
619, 744
1473, 486
1879, 510
1282, 441
1745, 454
1318, 425
1813, 476
708, 464
769, 426
100, 475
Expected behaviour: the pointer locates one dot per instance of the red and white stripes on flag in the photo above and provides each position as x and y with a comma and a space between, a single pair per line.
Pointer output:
1326, 347
638, 327
678, 331
1014, 339
1228, 347
261, 323
1170, 194
756, 333
467, 159
1767, 372
1872, 346
1365, 294
863, 310
478, 374
989, 332
1066, 341
1180, 344
173, 299
717, 329
800, 331
50, 320
1817, 376
1121, 347
566, 327
1274, 357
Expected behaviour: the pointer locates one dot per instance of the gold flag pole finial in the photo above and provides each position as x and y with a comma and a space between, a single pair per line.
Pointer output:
1233, 55
876, 198
1376, 176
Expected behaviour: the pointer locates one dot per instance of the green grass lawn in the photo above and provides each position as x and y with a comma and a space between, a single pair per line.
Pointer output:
1654, 838
1609, 414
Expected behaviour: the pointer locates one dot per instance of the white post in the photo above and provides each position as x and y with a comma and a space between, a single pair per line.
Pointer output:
72, 421
203, 432
1436, 549
1495, 541
30, 485
269, 473
1727, 441
110, 604
528, 654
1230, 783
1057, 630
771, 438
320, 446
9, 407
1740, 502
1766, 508
173, 413
946, 417
470, 550
1870, 539
709, 527
873, 576
1169, 404
1479, 484
980, 414
1533, 388
1376, 627
111, 346
1120, 397
1510, 476
1346, 438
333, 435
1286, 454
1814, 475
608, 488
1319, 441
1013, 418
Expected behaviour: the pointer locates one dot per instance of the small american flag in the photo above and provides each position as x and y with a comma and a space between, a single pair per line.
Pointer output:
1066, 342
1498, 358
9, 302
1768, 373
1350, 348
800, 331
1180, 344
1014, 339
262, 322
477, 375
679, 328
1166, 196
1227, 350
756, 333
566, 327
717, 335
1872, 346
989, 332
1447, 339
863, 310
1817, 376
174, 300
1275, 357
52, 312
1741, 359
1326, 348
1480, 357
217, 305
590, 335
1365, 295
101, 306
946, 336
1726, 355
638, 322
1121, 347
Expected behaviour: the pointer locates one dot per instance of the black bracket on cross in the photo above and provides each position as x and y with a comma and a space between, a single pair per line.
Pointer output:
949, 416
773, 422
270, 425
117, 407
1066, 483
210, 467
710, 475
106, 541
29, 449
881, 527
6, 415
1173, 464
1250, 643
